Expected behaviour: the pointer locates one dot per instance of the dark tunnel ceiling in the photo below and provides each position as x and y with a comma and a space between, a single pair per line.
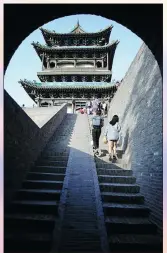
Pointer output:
145, 20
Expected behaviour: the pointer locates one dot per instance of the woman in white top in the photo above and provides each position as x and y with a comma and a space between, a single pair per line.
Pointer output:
112, 134
88, 110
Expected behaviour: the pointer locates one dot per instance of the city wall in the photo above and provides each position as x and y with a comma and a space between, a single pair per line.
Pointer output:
138, 103
23, 142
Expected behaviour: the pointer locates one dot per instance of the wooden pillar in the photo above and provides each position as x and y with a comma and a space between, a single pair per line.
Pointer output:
47, 62
103, 63
73, 108
73, 105
39, 102
107, 60
43, 62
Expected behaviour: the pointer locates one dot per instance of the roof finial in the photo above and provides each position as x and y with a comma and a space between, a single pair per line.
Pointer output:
78, 22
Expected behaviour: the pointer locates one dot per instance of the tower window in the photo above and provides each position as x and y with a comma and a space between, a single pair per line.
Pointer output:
98, 64
52, 64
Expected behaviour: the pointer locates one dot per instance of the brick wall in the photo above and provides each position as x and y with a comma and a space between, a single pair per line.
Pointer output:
138, 103
23, 143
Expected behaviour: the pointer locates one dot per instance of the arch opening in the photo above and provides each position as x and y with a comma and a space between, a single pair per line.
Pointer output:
152, 40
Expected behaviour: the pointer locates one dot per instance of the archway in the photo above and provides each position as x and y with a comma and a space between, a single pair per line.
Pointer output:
153, 39
132, 16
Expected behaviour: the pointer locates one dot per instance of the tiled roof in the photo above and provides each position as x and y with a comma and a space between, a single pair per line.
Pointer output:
38, 46
66, 85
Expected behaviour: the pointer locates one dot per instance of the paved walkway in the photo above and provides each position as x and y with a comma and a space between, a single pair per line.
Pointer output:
82, 221
41, 115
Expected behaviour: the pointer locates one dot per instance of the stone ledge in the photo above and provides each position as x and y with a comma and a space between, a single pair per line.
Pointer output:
42, 115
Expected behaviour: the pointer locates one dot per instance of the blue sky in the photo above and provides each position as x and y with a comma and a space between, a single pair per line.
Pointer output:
25, 63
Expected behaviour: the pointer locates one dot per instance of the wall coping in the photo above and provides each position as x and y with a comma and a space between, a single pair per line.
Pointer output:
43, 115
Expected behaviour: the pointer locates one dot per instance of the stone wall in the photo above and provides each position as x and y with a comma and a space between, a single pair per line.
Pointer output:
138, 103
23, 143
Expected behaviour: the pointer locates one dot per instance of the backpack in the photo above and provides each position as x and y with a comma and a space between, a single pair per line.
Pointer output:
97, 121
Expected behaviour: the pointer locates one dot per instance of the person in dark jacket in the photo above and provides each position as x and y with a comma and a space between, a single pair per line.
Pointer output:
97, 124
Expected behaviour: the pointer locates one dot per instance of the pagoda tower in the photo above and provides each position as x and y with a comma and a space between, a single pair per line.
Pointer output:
75, 65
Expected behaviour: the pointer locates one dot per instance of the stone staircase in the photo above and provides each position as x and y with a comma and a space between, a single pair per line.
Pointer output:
33, 221
34, 213
126, 214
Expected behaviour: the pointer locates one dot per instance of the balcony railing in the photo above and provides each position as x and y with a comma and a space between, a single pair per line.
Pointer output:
61, 70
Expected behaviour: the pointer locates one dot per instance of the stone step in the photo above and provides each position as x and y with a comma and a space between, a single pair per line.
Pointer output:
114, 172
55, 158
38, 194
49, 169
42, 184
126, 188
77, 240
47, 162
45, 176
135, 243
25, 242
107, 165
105, 157
137, 225
118, 197
29, 222
133, 210
81, 246
119, 151
31, 206
116, 179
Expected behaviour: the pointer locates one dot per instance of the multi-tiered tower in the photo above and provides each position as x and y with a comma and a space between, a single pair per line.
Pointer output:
75, 65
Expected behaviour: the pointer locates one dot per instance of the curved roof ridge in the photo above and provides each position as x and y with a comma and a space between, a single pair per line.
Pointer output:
47, 30
107, 27
72, 31
74, 47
